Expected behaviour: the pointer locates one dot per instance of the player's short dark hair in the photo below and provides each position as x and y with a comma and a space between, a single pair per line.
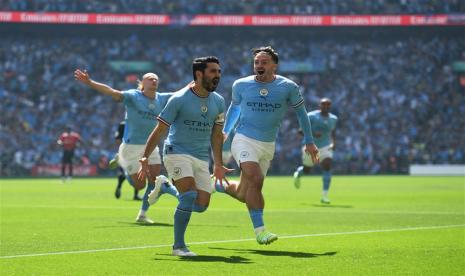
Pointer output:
267, 49
200, 63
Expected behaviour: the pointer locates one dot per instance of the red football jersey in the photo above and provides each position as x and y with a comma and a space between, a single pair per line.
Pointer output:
69, 140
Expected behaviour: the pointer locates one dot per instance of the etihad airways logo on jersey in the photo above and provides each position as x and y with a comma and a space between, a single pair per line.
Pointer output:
197, 123
198, 126
147, 115
263, 107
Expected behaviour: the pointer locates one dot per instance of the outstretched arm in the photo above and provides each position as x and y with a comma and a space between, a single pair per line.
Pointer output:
83, 76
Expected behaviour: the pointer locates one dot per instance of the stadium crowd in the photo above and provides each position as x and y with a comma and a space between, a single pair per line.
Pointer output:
300, 7
395, 98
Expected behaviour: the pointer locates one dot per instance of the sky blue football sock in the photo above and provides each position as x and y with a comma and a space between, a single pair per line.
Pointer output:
257, 217
220, 188
167, 188
326, 180
182, 216
199, 208
145, 201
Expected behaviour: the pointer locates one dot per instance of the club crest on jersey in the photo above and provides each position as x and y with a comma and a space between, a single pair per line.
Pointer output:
204, 108
151, 106
244, 154
263, 92
177, 171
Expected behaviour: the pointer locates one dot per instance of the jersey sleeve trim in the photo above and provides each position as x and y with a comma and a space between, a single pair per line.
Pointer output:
160, 119
298, 104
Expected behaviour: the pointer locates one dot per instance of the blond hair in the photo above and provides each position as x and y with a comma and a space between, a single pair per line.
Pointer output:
140, 84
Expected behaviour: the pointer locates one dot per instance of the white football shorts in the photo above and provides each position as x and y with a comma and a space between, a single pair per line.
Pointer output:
183, 165
325, 152
129, 155
245, 149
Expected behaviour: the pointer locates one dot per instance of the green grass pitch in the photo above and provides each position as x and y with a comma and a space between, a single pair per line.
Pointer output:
380, 225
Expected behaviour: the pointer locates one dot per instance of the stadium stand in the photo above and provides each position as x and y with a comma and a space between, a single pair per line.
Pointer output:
394, 97
397, 92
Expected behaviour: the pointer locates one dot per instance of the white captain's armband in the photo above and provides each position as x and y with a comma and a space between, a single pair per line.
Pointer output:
220, 119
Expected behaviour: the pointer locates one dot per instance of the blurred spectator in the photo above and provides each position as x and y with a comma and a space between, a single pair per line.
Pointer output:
395, 97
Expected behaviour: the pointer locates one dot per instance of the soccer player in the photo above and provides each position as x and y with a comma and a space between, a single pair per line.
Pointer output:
260, 102
69, 140
194, 117
113, 164
142, 107
323, 127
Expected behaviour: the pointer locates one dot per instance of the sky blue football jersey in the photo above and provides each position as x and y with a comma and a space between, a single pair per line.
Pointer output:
263, 105
322, 126
191, 119
141, 115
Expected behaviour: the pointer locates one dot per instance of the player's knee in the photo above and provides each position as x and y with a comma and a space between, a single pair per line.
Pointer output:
138, 185
241, 196
239, 192
187, 199
152, 179
134, 181
257, 182
326, 165
255, 179
258, 186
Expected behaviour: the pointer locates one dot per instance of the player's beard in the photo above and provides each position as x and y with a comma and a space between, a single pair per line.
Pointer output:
325, 110
210, 84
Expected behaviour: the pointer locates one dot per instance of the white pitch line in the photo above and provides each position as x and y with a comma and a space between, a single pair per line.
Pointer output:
238, 240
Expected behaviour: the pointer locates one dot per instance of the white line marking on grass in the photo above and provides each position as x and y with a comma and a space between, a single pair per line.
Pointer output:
238, 240
375, 231
70, 207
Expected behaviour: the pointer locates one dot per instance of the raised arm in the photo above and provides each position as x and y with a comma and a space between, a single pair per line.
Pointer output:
83, 77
